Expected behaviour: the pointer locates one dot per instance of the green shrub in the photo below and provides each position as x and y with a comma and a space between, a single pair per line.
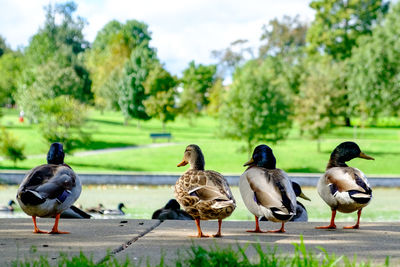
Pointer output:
10, 147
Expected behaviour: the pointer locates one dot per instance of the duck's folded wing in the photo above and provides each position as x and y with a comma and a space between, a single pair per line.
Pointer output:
273, 191
58, 185
207, 193
347, 179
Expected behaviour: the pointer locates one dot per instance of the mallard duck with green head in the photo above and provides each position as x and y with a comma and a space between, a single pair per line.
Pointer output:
344, 188
266, 190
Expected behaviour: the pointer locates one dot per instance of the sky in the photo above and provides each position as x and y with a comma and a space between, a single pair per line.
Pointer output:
182, 30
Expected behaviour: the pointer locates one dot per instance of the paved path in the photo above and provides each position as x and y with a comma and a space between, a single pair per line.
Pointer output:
147, 239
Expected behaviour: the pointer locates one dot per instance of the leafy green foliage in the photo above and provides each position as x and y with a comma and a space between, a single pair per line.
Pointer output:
217, 98
10, 71
320, 101
62, 120
111, 49
53, 61
338, 24
160, 86
256, 109
3, 46
10, 147
283, 37
374, 71
131, 86
197, 81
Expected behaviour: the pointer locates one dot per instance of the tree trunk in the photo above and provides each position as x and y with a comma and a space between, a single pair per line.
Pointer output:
319, 145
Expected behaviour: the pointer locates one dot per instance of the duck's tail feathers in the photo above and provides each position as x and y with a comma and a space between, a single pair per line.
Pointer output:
282, 216
360, 197
30, 197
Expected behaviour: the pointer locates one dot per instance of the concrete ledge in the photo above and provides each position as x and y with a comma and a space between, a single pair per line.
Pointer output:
373, 241
142, 178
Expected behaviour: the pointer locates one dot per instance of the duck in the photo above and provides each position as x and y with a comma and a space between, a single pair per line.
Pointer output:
344, 188
9, 207
49, 189
117, 211
301, 211
99, 209
75, 212
266, 190
171, 211
204, 194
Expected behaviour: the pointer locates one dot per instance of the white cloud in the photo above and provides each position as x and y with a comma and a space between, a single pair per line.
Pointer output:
182, 30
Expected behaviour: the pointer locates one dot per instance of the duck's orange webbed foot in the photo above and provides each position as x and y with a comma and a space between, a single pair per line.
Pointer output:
281, 230
55, 227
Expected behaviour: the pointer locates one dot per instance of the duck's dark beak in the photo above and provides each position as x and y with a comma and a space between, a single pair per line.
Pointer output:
302, 195
365, 156
250, 162
183, 163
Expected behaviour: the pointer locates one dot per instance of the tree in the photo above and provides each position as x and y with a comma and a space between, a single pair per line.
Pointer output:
54, 57
256, 108
10, 147
3, 46
339, 23
131, 89
374, 70
281, 37
111, 49
10, 71
320, 101
217, 97
160, 87
62, 81
236, 54
197, 81
337, 26
63, 119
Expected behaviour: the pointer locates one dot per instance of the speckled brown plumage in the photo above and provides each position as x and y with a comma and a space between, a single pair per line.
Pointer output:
205, 194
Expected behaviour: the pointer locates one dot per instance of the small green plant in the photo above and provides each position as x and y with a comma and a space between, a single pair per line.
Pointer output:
10, 148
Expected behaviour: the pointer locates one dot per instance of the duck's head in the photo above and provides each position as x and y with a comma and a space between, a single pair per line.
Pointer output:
121, 205
262, 157
55, 154
299, 193
172, 205
11, 202
346, 151
194, 157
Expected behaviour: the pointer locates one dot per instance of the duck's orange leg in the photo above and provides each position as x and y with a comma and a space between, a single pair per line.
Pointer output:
199, 232
282, 230
257, 230
332, 225
55, 227
37, 231
357, 225
218, 234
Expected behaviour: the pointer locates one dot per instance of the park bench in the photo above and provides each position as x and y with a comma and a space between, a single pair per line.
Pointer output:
155, 136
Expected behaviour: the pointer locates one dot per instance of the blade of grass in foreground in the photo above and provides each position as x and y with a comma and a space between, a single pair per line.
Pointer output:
216, 256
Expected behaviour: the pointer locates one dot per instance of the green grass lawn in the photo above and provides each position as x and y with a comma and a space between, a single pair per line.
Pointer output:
142, 201
296, 154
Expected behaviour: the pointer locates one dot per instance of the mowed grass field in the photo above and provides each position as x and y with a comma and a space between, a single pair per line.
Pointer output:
142, 201
295, 154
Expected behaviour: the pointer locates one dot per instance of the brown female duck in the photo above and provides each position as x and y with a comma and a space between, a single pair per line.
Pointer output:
204, 194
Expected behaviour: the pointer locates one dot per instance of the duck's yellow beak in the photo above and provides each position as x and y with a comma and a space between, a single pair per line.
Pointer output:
249, 162
365, 156
304, 196
183, 163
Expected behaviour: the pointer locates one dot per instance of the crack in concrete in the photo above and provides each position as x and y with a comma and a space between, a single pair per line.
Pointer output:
129, 242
